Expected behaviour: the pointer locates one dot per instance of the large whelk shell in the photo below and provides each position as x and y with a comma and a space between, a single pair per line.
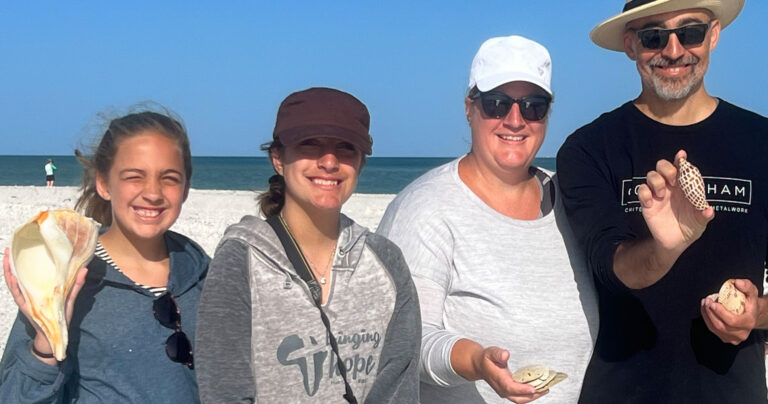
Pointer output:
46, 254
692, 184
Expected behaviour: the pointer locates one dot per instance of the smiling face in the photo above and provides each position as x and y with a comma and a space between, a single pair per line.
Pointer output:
146, 186
674, 72
320, 173
510, 142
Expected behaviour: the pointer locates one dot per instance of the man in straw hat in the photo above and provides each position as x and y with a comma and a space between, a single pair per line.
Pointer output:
655, 257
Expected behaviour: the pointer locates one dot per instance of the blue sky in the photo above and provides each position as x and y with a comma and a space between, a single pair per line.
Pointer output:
225, 66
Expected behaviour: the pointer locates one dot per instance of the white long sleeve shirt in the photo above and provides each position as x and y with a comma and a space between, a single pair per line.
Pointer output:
492, 279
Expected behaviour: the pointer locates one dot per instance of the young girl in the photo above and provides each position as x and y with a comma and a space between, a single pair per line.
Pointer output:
133, 320
260, 334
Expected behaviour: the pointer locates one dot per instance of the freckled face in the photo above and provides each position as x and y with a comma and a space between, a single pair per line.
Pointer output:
676, 71
511, 142
319, 172
146, 185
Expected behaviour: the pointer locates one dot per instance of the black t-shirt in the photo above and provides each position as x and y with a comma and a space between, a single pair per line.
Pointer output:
653, 345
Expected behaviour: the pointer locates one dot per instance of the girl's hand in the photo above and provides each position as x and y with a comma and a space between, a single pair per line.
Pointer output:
41, 342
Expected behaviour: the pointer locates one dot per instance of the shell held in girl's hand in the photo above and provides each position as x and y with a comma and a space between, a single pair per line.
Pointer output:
45, 255
692, 184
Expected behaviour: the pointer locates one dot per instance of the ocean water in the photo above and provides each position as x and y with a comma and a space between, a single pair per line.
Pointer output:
381, 175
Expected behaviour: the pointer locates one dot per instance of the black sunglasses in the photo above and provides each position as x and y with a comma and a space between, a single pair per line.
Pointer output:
177, 346
689, 35
497, 105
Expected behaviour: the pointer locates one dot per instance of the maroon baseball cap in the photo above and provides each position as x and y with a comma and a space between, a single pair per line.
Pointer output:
323, 112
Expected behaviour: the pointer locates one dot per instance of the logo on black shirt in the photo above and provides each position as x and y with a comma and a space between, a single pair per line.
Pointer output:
721, 191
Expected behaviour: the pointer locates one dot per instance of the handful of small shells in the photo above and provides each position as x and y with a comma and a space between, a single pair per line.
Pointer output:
730, 297
45, 255
692, 184
538, 376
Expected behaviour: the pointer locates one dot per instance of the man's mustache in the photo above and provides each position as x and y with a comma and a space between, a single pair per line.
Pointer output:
663, 61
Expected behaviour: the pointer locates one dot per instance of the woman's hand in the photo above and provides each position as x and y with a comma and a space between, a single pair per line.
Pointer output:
492, 367
473, 362
41, 342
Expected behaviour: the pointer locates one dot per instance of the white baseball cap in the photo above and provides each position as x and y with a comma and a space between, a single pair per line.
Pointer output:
510, 58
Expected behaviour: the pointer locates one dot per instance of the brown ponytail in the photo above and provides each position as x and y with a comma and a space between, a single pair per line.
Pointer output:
272, 200
90, 203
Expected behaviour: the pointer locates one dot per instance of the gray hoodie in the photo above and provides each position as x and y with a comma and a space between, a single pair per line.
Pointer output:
260, 337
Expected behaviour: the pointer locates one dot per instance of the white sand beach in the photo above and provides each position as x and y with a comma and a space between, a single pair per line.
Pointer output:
204, 217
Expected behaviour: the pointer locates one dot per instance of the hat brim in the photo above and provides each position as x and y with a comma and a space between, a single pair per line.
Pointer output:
292, 136
489, 83
609, 34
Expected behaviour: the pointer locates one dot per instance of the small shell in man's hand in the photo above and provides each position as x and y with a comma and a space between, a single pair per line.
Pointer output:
692, 184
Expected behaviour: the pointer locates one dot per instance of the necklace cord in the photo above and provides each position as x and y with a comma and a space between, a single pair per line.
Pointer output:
297, 259
304, 257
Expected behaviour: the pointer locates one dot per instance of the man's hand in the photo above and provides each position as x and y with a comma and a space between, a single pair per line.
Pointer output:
674, 224
673, 221
729, 327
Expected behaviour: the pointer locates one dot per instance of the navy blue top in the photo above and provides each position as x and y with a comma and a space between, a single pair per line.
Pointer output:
116, 351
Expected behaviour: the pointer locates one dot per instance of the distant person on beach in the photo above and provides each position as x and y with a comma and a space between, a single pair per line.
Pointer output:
132, 312
261, 336
49, 169
485, 239
655, 257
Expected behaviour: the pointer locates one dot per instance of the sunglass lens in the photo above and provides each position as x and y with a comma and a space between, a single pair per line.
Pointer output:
166, 311
495, 106
534, 109
654, 38
178, 348
692, 34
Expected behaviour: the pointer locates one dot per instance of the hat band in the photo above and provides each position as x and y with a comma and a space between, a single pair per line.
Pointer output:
635, 3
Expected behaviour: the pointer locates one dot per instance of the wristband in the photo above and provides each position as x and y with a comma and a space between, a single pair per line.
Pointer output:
40, 354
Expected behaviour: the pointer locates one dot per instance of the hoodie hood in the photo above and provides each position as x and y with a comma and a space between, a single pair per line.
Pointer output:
188, 262
257, 233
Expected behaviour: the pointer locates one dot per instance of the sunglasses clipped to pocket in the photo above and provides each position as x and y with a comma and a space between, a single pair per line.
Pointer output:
497, 105
177, 346
658, 38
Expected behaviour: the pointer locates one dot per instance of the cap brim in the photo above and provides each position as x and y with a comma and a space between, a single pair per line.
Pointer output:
489, 83
292, 136
609, 34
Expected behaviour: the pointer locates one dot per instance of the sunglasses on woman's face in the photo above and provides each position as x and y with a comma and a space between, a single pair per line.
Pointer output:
177, 346
658, 38
497, 105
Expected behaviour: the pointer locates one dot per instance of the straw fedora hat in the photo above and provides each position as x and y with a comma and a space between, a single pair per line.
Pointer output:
609, 34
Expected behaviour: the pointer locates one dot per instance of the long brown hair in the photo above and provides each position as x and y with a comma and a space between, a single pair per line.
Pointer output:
100, 161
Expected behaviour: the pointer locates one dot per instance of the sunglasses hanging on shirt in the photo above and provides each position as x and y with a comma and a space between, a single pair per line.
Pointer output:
497, 105
658, 38
177, 346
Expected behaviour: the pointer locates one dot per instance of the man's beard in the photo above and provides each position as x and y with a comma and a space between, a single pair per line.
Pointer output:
672, 89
